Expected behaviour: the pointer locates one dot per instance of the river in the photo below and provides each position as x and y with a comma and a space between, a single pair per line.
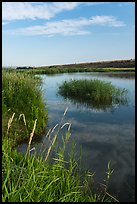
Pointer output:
103, 134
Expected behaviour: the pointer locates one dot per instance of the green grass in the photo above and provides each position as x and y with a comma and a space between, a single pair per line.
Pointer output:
59, 69
56, 70
29, 177
21, 94
95, 93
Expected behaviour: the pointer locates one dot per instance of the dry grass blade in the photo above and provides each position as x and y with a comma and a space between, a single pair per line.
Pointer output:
32, 149
48, 132
54, 128
32, 133
24, 119
112, 197
48, 135
52, 131
52, 142
65, 111
49, 150
69, 125
31, 136
9, 122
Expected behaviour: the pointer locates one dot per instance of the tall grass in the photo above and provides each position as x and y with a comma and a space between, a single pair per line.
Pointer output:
21, 94
95, 93
31, 178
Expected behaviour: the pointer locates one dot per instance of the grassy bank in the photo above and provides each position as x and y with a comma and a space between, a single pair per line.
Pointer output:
95, 93
22, 97
58, 69
29, 177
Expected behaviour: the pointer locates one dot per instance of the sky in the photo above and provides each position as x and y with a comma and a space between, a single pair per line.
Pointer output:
50, 33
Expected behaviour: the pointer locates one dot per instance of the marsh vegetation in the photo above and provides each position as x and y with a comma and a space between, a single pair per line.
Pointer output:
94, 93
58, 70
24, 116
21, 94
31, 178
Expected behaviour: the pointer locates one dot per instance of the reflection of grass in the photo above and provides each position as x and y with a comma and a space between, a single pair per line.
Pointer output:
95, 93
127, 75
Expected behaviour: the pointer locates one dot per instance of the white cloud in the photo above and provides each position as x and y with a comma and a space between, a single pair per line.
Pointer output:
66, 5
37, 10
68, 27
34, 10
24, 10
107, 20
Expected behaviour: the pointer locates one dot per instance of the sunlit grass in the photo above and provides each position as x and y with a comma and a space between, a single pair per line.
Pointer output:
29, 177
21, 94
95, 93
72, 69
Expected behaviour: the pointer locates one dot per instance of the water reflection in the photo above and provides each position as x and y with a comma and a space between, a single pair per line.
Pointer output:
121, 74
104, 135
99, 106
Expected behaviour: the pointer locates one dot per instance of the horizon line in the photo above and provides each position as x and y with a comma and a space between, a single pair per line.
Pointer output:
68, 63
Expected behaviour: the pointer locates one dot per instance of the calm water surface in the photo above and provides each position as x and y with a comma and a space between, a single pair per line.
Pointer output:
104, 135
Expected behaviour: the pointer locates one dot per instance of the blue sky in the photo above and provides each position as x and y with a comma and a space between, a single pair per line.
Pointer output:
48, 33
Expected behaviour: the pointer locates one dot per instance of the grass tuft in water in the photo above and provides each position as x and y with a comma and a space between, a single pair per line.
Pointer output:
94, 93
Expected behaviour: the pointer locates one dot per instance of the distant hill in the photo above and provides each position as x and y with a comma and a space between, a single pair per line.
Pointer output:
102, 64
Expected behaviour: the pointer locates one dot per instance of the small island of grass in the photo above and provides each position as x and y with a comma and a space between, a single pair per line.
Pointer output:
94, 93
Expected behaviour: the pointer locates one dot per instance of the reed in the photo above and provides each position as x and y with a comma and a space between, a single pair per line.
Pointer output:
22, 95
93, 93
30, 178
